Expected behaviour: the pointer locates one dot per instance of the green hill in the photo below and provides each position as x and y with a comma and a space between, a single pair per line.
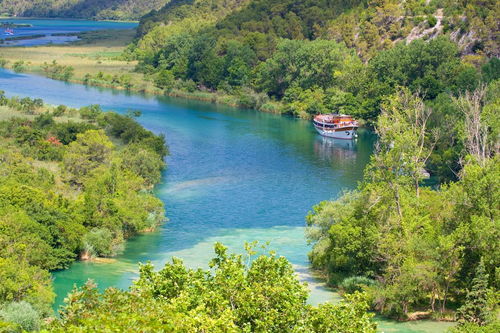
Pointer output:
95, 9
280, 49
369, 26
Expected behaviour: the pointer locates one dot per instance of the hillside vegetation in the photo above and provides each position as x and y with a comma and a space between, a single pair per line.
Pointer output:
84, 9
307, 57
421, 251
73, 183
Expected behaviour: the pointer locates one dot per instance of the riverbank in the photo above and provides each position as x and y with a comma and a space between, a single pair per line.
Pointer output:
97, 59
71, 184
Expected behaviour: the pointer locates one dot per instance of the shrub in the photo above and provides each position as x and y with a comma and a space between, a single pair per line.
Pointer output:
164, 80
60, 110
143, 162
417, 20
271, 107
58, 72
19, 66
99, 242
355, 283
90, 112
9, 327
188, 85
21, 313
431, 21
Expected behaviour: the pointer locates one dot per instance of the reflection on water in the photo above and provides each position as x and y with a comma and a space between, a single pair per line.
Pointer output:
331, 149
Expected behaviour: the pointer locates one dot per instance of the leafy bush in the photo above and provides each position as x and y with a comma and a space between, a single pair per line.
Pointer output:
272, 107
90, 112
355, 283
143, 162
19, 66
431, 21
235, 295
493, 327
99, 243
58, 72
60, 110
21, 313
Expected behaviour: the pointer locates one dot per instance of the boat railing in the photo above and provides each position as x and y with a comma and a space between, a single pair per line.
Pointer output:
324, 122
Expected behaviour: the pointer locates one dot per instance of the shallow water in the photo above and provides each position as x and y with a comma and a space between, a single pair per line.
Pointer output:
49, 27
233, 176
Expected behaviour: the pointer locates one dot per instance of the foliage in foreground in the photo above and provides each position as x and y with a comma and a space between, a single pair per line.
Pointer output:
237, 294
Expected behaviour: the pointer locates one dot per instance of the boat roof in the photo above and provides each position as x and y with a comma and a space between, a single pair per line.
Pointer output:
333, 115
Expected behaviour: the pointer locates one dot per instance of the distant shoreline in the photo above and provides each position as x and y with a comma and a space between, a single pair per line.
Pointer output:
65, 19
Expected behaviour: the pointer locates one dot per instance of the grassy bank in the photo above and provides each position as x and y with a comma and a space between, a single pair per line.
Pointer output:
95, 52
97, 59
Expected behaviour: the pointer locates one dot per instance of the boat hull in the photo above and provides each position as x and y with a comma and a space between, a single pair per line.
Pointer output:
347, 133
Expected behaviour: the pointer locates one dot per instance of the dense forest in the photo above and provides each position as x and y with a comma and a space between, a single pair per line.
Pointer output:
73, 183
306, 57
84, 9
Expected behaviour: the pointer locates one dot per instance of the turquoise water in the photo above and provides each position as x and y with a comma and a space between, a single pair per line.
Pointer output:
233, 176
49, 27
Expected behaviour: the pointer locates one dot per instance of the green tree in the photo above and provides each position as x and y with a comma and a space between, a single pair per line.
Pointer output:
238, 294
90, 112
305, 64
475, 308
90, 150
164, 79
98, 242
143, 162
20, 281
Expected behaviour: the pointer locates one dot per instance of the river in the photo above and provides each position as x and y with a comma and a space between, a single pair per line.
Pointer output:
233, 176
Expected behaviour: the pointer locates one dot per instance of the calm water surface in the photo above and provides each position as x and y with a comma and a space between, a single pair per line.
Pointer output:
49, 27
233, 176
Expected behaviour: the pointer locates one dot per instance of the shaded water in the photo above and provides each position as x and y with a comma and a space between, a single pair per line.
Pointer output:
50, 27
233, 176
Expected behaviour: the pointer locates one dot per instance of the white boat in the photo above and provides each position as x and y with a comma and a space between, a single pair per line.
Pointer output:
338, 126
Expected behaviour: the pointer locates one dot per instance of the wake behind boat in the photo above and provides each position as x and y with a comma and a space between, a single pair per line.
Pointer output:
333, 125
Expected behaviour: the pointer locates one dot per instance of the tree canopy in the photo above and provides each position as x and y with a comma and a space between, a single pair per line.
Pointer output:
251, 293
